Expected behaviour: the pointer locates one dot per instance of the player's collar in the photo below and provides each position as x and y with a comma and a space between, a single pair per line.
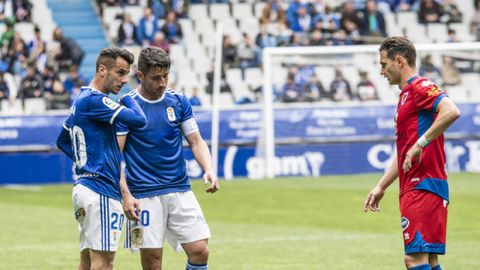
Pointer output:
148, 100
409, 81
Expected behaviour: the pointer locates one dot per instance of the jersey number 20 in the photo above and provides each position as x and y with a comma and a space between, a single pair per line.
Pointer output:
79, 146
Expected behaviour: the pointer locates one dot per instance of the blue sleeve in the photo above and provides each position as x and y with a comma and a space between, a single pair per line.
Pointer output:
132, 115
64, 142
121, 128
103, 109
186, 109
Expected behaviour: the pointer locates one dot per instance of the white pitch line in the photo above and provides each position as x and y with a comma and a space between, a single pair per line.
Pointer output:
31, 188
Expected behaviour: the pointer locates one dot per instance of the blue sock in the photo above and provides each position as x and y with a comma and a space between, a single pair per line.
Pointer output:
438, 267
421, 267
192, 266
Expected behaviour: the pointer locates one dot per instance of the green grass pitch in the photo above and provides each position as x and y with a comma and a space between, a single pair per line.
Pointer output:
288, 223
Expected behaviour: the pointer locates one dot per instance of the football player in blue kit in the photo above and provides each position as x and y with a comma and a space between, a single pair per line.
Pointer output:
158, 192
89, 139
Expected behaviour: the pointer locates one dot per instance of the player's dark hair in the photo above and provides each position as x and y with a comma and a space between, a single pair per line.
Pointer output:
108, 56
153, 58
399, 46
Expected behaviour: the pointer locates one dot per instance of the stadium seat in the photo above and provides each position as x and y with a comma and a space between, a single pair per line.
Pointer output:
136, 12
242, 11
111, 13
26, 30
34, 106
220, 12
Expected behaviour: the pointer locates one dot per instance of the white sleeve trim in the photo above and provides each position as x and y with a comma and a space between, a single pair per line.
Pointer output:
116, 113
189, 126
122, 133
65, 127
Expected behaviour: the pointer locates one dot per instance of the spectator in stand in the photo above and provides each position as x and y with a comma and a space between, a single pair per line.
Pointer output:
449, 72
7, 36
316, 38
373, 21
194, 99
263, 40
229, 51
340, 88
159, 41
430, 12
329, 19
37, 48
291, 91
22, 10
475, 23
147, 27
247, 54
127, 32
6, 9
296, 40
303, 21
4, 89
17, 55
70, 52
272, 13
340, 38
48, 77
172, 29
284, 35
366, 90
292, 14
450, 12
349, 15
314, 90
158, 7
58, 99
405, 5
74, 81
31, 86
224, 86
429, 70
452, 36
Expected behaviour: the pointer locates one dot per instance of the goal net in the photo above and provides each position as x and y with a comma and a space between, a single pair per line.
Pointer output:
345, 120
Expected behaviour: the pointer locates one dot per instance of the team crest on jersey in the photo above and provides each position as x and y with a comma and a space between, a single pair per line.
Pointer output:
427, 83
110, 103
434, 91
404, 98
79, 213
405, 223
171, 114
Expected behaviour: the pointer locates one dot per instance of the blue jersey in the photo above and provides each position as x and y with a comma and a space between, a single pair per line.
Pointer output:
94, 147
154, 154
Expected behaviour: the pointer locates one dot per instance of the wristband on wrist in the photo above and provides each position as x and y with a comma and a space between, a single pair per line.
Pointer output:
422, 141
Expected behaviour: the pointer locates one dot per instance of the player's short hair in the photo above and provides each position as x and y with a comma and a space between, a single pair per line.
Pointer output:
108, 56
151, 58
399, 46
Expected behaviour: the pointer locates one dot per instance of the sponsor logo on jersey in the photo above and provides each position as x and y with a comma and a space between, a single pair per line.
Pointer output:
427, 83
404, 98
406, 236
171, 114
110, 103
405, 223
434, 91
416, 179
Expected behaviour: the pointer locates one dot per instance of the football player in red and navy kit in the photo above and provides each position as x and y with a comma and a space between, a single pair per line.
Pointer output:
424, 112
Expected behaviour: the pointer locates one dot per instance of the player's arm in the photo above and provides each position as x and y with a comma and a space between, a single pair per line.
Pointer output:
131, 206
64, 142
132, 115
373, 198
202, 156
447, 114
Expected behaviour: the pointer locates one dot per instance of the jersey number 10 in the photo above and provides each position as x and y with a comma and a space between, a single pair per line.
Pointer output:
79, 146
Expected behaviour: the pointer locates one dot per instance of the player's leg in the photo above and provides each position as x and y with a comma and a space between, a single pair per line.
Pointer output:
151, 258
186, 225
433, 260
148, 234
101, 260
197, 253
84, 260
100, 221
417, 261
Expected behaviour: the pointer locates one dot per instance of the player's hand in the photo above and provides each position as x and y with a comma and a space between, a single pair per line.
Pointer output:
212, 178
373, 200
415, 151
131, 207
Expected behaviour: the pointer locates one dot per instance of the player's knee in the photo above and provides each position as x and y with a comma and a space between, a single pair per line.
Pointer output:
151, 261
199, 254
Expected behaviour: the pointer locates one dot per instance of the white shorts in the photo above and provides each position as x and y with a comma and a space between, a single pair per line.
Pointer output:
176, 217
100, 219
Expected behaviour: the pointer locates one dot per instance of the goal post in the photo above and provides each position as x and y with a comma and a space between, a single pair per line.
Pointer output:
361, 57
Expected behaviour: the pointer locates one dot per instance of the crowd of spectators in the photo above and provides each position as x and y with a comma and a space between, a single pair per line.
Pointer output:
33, 69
